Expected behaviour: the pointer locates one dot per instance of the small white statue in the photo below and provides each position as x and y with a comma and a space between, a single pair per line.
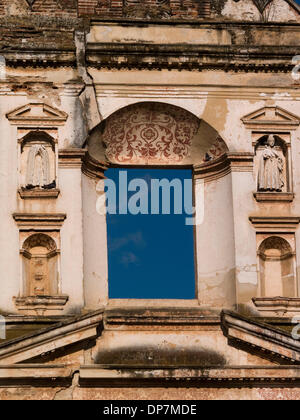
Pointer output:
270, 174
38, 167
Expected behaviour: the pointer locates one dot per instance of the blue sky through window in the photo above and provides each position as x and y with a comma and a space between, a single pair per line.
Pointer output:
150, 256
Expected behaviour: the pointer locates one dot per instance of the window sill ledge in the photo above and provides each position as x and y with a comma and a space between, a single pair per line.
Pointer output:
277, 305
153, 303
274, 196
41, 303
38, 193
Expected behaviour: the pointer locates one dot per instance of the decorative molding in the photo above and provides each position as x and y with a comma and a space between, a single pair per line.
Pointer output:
26, 374
275, 224
214, 169
42, 303
41, 59
120, 376
270, 119
73, 89
227, 163
150, 134
71, 158
39, 135
241, 330
281, 306
151, 317
274, 197
40, 221
93, 168
38, 193
37, 114
148, 91
55, 337
40, 240
241, 161
194, 57
275, 242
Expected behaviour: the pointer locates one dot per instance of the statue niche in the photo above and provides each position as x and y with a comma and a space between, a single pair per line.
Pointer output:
38, 162
40, 265
271, 163
276, 268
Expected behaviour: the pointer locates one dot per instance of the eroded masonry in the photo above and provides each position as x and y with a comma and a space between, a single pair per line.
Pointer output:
221, 78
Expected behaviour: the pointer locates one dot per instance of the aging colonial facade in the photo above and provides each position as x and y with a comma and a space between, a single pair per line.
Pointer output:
212, 85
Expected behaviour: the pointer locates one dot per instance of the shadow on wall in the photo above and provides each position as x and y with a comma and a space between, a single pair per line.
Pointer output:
154, 357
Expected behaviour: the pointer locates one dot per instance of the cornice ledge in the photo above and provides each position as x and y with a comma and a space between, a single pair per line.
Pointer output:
241, 161
161, 316
228, 162
38, 193
274, 197
59, 335
41, 303
93, 168
36, 219
47, 374
71, 158
275, 223
214, 169
241, 329
170, 376
40, 58
281, 306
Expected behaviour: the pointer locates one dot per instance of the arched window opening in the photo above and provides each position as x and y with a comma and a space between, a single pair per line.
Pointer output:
154, 141
150, 240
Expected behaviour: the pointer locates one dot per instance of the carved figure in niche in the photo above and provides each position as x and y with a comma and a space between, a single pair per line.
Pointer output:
40, 265
38, 168
270, 174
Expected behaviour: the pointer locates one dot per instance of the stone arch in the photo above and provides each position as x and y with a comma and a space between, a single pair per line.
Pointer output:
40, 240
38, 136
155, 133
276, 267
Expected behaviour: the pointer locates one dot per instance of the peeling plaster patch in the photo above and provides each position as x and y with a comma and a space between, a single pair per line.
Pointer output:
40, 91
276, 96
281, 11
214, 279
17, 7
246, 291
217, 289
67, 393
244, 10
215, 113
233, 132
247, 277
